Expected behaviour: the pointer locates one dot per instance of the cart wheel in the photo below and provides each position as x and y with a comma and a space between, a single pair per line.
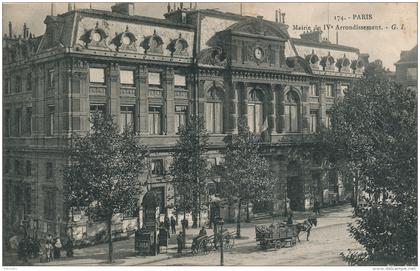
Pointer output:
277, 244
293, 241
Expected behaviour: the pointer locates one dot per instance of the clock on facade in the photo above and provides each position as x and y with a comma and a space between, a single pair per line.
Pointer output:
258, 53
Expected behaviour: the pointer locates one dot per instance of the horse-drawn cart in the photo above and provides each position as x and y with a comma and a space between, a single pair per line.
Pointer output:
205, 244
276, 235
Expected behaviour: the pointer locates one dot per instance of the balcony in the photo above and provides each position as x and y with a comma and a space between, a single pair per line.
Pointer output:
155, 92
97, 90
128, 91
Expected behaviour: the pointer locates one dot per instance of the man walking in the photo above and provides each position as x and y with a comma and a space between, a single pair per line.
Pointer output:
173, 223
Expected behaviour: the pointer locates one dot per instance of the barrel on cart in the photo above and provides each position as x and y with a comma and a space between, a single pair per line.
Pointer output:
276, 235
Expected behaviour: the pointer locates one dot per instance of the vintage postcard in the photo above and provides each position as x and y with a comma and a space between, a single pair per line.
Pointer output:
209, 134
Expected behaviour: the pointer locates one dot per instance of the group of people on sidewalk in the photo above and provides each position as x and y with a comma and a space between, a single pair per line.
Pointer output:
30, 247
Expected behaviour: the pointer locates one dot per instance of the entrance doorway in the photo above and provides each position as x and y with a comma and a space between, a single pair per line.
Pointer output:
295, 193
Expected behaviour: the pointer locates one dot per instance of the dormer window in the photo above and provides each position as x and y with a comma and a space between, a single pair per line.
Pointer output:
124, 41
152, 44
94, 37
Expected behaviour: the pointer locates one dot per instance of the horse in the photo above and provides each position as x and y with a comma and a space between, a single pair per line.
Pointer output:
306, 226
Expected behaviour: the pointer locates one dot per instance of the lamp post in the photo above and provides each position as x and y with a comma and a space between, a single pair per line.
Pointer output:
221, 222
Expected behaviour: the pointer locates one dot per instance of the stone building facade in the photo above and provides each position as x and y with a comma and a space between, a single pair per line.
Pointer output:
406, 68
155, 73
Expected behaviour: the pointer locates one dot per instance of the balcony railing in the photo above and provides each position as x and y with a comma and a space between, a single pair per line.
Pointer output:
128, 91
97, 90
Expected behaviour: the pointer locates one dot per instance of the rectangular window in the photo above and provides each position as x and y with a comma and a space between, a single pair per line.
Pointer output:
29, 120
50, 78
29, 82
49, 170
155, 120
18, 168
313, 121
328, 120
329, 91
180, 116
95, 108
154, 79
6, 165
18, 84
344, 89
160, 192
7, 122
97, 75
179, 81
27, 210
18, 122
126, 117
28, 168
49, 205
6, 86
411, 73
157, 167
214, 120
293, 119
51, 112
313, 90
127, 77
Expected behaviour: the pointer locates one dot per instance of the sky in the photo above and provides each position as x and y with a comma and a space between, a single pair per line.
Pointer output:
385, 44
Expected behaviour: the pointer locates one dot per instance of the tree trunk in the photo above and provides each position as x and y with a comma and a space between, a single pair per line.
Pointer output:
110, 248
238, 221
247, 211
183, 232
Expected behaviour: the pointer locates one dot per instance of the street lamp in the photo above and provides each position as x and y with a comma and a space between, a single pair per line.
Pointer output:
221, 222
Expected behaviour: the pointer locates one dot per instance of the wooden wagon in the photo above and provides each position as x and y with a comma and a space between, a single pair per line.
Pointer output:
205, 244
276, 235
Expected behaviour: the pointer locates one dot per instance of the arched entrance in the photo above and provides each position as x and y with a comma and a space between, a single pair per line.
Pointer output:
295, 187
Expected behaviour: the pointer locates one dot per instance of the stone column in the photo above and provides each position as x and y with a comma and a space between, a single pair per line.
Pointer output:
142, 100
281, 109
322, 107
244, 102
168, 111
272, 123
113, 91
231, 108
305, 109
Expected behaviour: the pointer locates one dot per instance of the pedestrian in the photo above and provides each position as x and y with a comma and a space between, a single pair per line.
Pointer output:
57, 248
290, 218
167, 225
173, 223
202, 232
22, 250
180, 241
316, 207
69, 247
49, 248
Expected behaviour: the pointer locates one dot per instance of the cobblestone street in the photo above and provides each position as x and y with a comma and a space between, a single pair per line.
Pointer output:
326, 242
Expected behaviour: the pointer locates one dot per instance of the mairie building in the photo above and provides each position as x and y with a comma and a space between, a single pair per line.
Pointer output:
156, 73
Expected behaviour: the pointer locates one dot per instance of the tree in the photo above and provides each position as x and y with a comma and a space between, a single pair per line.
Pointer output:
189, 168
374, 133
247, 174
103, 174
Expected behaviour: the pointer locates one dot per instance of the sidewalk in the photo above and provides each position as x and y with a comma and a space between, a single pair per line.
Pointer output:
124, 250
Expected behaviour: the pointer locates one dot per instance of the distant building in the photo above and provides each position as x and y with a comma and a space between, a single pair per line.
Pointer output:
406, 68
156, 73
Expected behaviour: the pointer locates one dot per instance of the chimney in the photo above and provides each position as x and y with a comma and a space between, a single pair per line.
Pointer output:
277, 16
282, 17
315, 35
69, 7
181, 5
123, 8
25, 31
10, 29
169, 7
52, 9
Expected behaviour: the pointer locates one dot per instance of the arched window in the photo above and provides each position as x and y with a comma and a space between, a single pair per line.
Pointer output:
292, 112
214, 110
255, 111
